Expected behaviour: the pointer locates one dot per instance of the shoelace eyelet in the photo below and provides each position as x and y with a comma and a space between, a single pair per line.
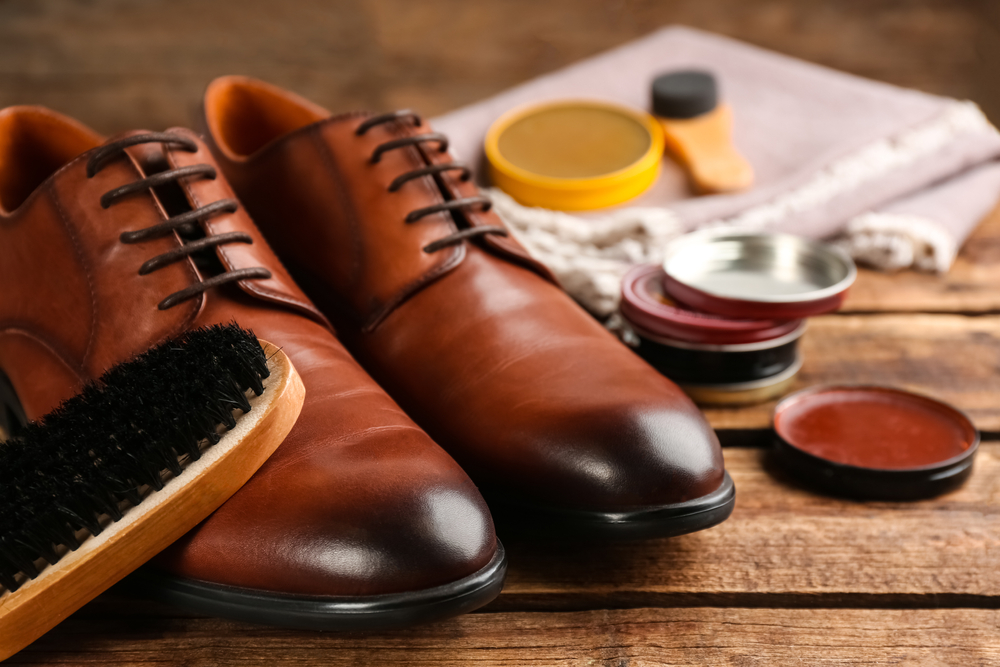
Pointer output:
399, 181
116, 148
409, 141
388, 118
431, 170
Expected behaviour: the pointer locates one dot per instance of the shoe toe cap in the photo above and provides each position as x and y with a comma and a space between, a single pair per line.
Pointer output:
637, 457
619, 456
345, 521
431, 538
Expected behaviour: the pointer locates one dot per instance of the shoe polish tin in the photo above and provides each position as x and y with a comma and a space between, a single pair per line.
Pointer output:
873, 443
574, 154
756, 275
716, 360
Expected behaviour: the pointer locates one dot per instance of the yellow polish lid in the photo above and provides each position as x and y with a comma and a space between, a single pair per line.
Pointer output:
574, 154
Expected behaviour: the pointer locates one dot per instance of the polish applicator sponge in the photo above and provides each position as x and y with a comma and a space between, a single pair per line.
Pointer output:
684, 94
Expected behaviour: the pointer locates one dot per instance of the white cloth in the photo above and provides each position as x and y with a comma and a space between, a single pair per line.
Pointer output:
899, 177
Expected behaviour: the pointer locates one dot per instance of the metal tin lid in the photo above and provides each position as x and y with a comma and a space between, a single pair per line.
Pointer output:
645, 305
574, 155
874, 442
761, 275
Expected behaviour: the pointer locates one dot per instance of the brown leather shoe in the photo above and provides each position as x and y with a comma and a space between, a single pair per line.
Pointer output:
545, 410
359, 520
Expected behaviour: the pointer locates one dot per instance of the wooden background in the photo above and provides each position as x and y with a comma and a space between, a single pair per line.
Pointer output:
793, 577
124, 64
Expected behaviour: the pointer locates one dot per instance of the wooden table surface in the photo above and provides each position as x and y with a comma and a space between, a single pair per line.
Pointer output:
792, 577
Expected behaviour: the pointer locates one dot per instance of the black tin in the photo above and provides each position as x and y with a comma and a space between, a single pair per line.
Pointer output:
716, 360
874, 483
709, 364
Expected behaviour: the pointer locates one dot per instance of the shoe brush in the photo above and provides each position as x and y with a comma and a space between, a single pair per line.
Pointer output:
137, 459
698, 131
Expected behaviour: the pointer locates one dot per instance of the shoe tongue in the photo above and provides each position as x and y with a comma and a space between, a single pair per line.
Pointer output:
152, 159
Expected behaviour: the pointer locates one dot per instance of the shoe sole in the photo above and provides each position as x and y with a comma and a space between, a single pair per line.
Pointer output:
332, 613
547, 522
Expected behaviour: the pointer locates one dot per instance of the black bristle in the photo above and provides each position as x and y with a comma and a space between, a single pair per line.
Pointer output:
132, 496
236, 396
8, 582
171, 463
105, 503
213, 438
120, 433
22, 558
188, 446
44, 545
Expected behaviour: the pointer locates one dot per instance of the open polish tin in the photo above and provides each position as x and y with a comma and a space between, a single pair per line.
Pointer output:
871, 442
716, 360
756, 275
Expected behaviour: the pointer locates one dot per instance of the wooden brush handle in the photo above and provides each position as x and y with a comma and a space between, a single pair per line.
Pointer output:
703, 146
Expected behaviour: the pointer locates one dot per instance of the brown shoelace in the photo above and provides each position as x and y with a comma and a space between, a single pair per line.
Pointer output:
432, 170
115, 149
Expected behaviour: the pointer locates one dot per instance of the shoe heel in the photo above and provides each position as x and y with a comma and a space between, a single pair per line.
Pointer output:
12, 417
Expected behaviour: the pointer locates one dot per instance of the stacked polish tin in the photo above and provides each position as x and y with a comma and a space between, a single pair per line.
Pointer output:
724, 314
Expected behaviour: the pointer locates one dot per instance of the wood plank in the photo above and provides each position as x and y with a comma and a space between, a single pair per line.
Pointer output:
619, 638
972, 285
785, 546
119, 65
954, 358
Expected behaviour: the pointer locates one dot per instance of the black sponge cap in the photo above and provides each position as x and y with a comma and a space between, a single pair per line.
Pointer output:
684, 94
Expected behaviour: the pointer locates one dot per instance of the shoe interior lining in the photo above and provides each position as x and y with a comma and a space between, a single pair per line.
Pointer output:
34, 144
245, 115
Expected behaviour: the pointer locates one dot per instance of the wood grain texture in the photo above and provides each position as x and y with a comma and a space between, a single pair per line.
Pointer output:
611, 638
954, 358
785, 546
118, 64
988, 63
793, 577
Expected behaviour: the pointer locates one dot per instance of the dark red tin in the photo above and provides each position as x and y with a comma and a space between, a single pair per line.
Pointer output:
874, 442
716, 360
646, 305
